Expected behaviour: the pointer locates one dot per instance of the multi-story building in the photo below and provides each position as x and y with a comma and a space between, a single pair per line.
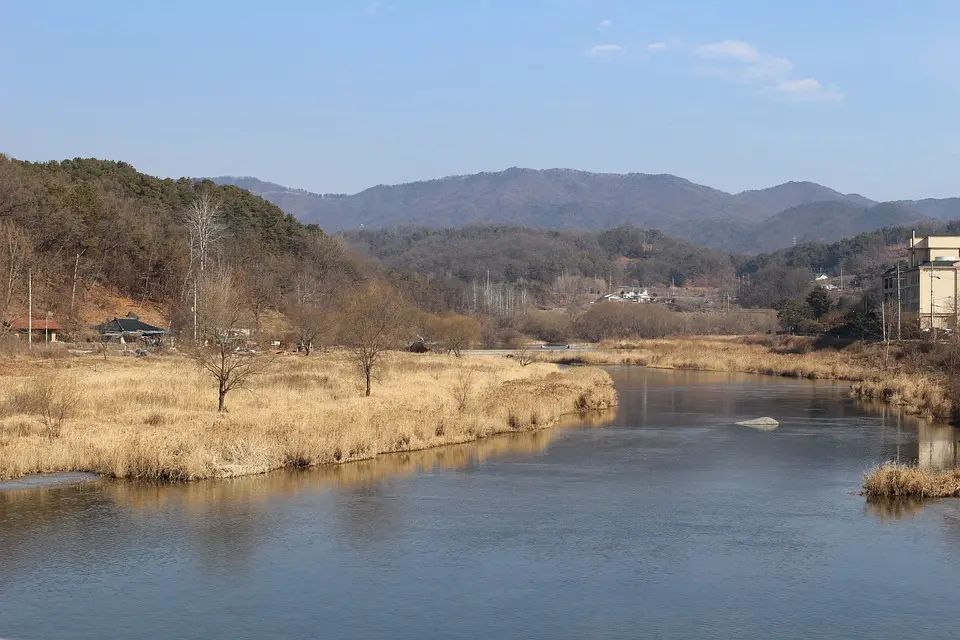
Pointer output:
929, 285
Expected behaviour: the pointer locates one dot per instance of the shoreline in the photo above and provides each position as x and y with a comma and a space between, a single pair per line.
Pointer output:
155, 419
917, 393
493, 441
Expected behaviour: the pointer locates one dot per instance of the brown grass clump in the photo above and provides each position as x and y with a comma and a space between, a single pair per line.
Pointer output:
895, 480
155, 418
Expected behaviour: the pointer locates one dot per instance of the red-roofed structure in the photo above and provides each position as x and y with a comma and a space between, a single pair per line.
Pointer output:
44, 329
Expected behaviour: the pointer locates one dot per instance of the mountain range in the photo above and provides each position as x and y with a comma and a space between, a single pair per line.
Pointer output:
757, 220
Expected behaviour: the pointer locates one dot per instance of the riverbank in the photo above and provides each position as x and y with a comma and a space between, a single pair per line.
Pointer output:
894, 480
154, 418
896, 376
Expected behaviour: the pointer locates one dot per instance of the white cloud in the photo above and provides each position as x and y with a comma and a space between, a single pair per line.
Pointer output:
604, 51
807, 90
728, 50
657, 46
767, 67
374, 8
604, 25
745, 63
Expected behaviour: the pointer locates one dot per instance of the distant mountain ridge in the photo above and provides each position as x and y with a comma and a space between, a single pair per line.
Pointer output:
755, 220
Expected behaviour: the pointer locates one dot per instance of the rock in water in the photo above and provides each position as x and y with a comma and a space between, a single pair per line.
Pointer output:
767, 424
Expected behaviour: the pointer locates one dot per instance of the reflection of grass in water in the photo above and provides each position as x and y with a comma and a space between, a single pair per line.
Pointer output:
892, 509
203, 495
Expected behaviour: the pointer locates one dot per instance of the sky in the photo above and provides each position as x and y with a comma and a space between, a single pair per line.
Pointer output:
335, 96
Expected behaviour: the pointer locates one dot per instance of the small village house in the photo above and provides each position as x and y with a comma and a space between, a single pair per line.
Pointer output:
628, 294
44, 329
130, 329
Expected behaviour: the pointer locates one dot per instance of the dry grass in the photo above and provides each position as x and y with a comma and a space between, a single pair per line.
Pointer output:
155, 418
894, 480
248, 491
874, 377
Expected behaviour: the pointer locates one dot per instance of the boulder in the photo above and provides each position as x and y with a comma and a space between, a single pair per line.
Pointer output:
766, 424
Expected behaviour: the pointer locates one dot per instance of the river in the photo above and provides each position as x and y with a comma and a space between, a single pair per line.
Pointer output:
664, 520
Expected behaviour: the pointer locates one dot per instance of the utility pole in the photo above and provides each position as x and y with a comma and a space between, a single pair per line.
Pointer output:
883, 320
933, 329
30, 308
195, 312
898, 302
841, 277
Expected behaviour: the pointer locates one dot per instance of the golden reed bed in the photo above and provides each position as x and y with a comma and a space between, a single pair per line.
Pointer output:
155, 418
893, 480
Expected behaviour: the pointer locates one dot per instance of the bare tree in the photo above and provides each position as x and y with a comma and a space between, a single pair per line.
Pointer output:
223, 351
525, 355
310, 322
76, 277
317, 286
206, 231
454, 332
15, 253
309, 306
374, 320
462, 388
261, 288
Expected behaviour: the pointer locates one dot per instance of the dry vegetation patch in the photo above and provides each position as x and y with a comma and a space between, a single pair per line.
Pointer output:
155, 418
895, 480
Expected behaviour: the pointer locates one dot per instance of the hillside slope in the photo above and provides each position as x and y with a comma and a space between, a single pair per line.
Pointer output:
505, 253
785, 196
95, 233
827, 222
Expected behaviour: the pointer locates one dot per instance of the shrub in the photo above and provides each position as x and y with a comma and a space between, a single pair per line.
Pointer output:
549, 326
50, 396
462, 389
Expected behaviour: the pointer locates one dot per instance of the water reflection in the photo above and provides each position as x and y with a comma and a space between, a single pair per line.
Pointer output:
231, 516
929, 445
670, 522
893, 509
937, 446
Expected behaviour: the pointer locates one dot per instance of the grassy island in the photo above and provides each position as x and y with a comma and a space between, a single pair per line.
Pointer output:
901, 481
155, 418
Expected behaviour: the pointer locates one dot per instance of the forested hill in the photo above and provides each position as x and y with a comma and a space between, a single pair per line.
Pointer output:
627, 255
864, 253
114, 226
506, 253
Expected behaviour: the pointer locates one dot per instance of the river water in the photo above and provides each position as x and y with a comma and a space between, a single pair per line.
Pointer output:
664, 520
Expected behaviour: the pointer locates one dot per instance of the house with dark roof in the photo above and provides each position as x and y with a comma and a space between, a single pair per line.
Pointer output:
130, 329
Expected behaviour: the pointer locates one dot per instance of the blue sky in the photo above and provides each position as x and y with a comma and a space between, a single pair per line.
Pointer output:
339, 95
